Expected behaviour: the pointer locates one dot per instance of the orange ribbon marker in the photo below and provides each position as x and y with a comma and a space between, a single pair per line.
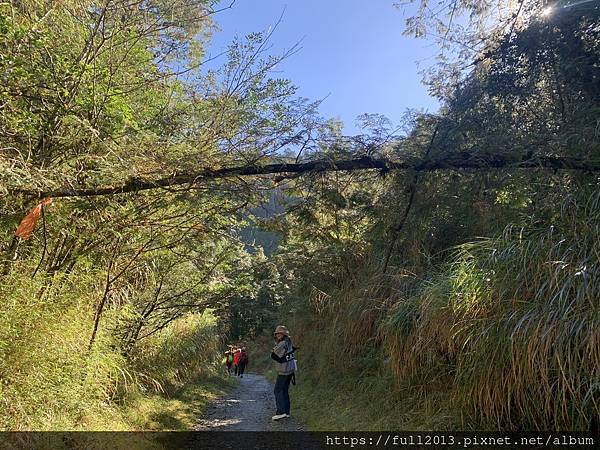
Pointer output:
27, 225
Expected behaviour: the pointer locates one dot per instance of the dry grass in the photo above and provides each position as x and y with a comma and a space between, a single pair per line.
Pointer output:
505, 336
513, 325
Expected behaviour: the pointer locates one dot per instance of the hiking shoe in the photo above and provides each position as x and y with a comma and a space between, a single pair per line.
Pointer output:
279, 416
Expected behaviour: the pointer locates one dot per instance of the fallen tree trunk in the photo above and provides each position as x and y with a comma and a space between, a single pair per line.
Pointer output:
364, 163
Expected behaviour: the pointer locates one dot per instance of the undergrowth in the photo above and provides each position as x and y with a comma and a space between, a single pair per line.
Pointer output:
50, 379
504, 335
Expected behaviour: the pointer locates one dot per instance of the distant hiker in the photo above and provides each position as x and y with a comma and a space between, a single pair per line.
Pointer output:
243, 362
283, 355
236, 361
229, 360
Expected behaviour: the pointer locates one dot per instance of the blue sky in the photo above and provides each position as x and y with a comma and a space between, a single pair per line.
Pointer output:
353, 52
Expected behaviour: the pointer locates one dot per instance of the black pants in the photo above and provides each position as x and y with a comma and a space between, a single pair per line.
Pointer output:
241, 368
282, 396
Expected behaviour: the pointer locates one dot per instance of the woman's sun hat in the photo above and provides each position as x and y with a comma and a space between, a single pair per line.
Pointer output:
281, 329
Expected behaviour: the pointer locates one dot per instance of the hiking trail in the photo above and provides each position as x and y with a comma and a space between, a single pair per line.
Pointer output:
249, 407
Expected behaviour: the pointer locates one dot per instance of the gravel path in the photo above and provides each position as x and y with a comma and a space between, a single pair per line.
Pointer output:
249, 407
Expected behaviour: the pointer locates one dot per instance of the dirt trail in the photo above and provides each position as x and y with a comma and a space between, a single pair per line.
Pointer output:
249, 407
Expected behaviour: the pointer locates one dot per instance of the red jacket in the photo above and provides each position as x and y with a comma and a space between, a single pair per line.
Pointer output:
236, 357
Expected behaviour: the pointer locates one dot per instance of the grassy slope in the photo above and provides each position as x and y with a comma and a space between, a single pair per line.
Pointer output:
179, 411
505, 337
347, 400
49, 380
363, 394
362, 407
142, 412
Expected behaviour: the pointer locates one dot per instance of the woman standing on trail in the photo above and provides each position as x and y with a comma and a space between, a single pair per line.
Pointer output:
283, 355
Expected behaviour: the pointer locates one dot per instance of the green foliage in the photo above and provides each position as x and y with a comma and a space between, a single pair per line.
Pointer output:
537, 322
188, 348
110, 298
515, 319
52, 380
505, 332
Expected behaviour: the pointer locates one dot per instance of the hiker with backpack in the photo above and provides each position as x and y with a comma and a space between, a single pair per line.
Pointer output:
228, 359
243, 362
236, 361
283, 355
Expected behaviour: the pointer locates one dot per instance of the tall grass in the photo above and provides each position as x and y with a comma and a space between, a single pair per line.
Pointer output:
51, 380
530, 339
187, 349
513, 323
504, 335
343, 365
